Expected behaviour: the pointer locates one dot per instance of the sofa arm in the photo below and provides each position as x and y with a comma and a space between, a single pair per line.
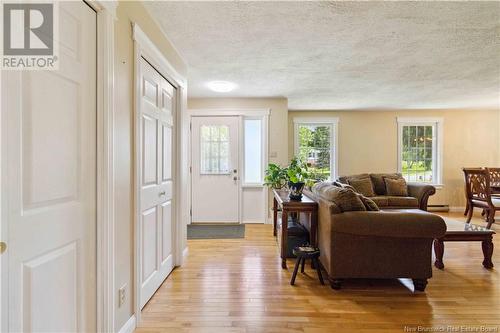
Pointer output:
422, 192
400, 224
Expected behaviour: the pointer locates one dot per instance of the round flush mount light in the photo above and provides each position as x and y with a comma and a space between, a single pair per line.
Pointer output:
221, 86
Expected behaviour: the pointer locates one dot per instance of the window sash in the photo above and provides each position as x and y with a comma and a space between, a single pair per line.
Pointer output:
331, 125
418, 146
214, 150
253, 147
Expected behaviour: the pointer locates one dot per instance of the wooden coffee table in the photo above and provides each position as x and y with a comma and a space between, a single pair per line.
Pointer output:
457, 231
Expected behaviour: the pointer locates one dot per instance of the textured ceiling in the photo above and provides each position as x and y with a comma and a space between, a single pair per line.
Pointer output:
341, 55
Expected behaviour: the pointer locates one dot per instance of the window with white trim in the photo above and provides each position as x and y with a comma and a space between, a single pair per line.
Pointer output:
253, 152
419, 142
315, 143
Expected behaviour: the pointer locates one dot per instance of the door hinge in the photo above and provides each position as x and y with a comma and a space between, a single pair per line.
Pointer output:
190, 126
190, 169
190, 211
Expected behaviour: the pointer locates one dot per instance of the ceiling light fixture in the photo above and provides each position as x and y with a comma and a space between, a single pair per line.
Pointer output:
221, 86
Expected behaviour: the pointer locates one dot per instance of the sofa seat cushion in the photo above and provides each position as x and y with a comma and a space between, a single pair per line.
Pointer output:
363, 186
379, 182
397, 201
381, 201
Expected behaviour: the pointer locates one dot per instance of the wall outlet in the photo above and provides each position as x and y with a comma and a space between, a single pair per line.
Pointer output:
121, 295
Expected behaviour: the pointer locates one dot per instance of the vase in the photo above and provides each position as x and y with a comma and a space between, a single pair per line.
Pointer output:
296, 190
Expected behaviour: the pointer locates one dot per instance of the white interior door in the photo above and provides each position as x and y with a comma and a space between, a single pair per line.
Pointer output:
156, 212
215, 170
49, 185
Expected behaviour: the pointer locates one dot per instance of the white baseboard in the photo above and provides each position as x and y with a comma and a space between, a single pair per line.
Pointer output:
457, 209
185, 252
129, 326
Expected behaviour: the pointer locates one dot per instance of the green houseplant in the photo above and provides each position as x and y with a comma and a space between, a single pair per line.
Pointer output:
276, 176
298, 176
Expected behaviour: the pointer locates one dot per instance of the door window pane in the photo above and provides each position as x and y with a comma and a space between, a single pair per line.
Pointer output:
253, 150
214, 149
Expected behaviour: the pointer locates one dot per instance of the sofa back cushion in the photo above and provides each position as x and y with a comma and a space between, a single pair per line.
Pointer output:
379, 182
344, 198
346, 179
396, 187
363, 186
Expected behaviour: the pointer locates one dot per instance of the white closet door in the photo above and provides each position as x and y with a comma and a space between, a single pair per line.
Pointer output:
49, 184
156, 212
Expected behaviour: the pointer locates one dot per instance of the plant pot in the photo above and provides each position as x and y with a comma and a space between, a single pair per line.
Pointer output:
296, 190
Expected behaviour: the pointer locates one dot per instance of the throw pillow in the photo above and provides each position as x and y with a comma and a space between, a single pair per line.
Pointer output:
370, 205
378, 181
345, 199
396, 187
363, 186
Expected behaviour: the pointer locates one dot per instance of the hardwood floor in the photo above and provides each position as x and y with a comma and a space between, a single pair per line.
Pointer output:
238, 285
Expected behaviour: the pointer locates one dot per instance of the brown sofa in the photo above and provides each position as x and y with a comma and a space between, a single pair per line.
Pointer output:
375, 244
418, 194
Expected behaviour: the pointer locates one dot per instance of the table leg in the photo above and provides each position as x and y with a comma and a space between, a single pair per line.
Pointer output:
284, 234
439, 252
487, 246
318, 269
275, 215
296, 268
314, 228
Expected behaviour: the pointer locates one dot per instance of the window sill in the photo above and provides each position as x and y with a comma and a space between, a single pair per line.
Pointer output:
252, 185
437, 186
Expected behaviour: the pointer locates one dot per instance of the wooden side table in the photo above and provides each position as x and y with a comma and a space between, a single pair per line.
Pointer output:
307, 206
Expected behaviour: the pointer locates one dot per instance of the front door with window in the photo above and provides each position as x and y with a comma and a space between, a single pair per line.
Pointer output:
215, 171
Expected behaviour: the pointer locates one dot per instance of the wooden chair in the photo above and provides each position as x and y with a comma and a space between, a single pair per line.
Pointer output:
495, 181
478, 192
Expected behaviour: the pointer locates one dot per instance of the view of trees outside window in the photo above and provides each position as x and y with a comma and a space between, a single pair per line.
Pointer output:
314, 148
417, 153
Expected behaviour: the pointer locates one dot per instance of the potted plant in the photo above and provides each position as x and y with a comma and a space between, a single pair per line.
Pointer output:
276, 176
298, 176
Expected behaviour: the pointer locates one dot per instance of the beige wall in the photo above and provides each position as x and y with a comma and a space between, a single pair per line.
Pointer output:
368, 143
278, 120
128, 12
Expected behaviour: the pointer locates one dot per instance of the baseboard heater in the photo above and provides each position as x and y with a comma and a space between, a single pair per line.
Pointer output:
438, 208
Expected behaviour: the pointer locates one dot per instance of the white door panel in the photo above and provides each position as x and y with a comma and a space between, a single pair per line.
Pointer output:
215, 170
156, 108
49, 184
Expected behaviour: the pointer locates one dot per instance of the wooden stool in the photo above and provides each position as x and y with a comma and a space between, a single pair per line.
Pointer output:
303, 253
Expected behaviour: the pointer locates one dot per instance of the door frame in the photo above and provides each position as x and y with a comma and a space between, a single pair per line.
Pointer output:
105, 17
145, 48
242, 113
